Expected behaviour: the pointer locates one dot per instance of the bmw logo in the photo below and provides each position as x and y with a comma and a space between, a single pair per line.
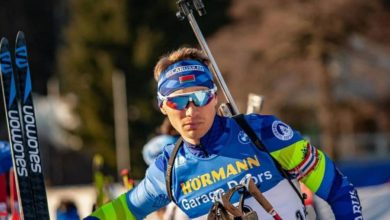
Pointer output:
243, 138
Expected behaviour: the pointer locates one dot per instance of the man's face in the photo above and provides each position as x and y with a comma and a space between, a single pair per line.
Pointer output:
192, 122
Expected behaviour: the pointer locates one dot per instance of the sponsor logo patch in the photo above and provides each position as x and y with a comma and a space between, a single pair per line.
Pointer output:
181, 69
243, 138
282, 131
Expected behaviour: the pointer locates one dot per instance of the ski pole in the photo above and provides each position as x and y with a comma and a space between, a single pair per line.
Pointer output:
186, 8
127, 182
260, 198
98, 177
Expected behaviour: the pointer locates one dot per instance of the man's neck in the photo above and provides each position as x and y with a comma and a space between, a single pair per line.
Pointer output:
191, 142
212, 134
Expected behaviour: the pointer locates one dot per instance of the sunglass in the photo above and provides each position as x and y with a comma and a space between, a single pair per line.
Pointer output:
199, 98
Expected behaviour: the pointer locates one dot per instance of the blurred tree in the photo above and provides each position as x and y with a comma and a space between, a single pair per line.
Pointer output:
324, 31
106, 35
287, 50
96, 39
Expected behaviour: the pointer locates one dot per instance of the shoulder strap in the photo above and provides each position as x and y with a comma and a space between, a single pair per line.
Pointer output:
260, 145
168, 174
249, 131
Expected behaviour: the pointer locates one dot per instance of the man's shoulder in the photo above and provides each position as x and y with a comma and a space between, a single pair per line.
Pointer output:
259, 120
162, 160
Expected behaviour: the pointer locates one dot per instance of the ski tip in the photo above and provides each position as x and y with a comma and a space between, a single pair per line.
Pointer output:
4, 44
4, 40
20, 35
20, 40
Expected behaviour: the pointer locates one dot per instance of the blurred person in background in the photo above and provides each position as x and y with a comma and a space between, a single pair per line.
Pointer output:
5, 157
5, 167
215, 153
167, 134
67, 210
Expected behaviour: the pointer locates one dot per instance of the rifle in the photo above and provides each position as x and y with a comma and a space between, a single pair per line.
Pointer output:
186, 8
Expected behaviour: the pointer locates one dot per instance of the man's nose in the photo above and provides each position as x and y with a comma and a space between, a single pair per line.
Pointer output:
191, 109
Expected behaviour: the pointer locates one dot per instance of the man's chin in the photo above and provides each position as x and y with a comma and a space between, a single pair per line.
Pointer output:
192, 135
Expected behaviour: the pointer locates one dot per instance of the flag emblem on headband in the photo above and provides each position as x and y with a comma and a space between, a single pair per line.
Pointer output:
187, 78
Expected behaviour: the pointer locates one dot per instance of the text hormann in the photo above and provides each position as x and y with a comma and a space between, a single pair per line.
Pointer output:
219, 174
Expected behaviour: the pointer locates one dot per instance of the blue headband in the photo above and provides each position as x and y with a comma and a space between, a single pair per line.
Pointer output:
184, 74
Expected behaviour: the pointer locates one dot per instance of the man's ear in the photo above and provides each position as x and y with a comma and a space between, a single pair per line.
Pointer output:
216, 98
163, 110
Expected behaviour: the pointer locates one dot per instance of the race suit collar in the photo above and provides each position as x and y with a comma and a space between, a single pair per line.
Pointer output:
208, 144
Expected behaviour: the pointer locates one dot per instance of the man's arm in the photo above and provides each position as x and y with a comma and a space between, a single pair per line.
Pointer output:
311, 166
319, 173
308, 164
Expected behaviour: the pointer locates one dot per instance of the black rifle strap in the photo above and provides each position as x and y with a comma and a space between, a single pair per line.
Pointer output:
168, 174
252, 135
